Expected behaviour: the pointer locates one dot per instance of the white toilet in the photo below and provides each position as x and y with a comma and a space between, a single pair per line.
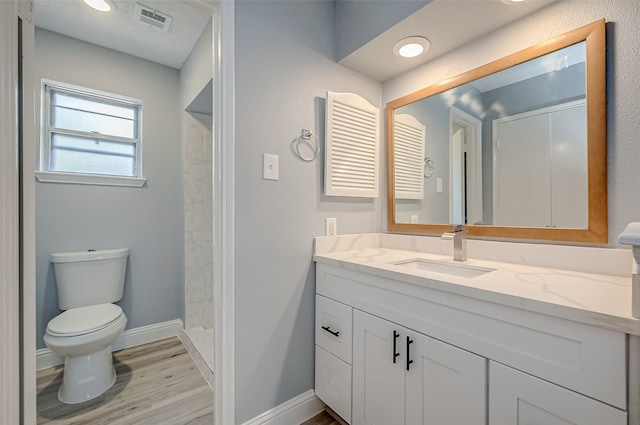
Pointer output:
88, 282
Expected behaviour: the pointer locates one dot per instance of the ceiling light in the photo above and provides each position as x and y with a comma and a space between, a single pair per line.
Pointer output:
510, 2
411, 47
100, 5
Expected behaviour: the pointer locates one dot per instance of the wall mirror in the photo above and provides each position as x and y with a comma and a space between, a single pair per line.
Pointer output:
512, 149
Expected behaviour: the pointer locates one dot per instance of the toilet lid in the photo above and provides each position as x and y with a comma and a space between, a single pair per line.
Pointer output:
82, 320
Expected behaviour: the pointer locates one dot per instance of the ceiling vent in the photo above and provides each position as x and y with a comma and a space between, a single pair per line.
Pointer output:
151, 17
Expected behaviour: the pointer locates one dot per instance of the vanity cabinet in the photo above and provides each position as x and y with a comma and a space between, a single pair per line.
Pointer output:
458, 359
404, 377
518, 398
333, 355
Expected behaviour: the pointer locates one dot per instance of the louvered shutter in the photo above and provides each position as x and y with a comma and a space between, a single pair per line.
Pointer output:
352, 146
408, 152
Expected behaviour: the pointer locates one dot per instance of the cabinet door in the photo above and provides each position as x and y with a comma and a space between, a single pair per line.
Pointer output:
378, 382
518, 398
444, 384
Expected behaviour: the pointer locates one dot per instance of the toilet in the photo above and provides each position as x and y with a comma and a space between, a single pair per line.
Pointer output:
88, 283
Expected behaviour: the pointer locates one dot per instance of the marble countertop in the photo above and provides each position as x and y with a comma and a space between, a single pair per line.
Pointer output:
601, 300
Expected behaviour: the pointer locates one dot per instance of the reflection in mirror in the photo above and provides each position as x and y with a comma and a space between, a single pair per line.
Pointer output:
513, 152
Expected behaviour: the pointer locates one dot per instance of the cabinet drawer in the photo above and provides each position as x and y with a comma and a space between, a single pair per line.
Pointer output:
333, 383
333, 327
518, 398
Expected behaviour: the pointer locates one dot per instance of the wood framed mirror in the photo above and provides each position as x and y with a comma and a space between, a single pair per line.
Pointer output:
516, 148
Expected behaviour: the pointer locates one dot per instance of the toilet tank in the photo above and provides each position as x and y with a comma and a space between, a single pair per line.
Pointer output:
90, 277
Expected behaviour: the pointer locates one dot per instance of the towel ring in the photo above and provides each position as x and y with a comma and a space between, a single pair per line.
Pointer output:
307, 136
428, 167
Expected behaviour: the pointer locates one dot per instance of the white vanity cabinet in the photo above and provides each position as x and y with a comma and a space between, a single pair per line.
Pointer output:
470, 361
403, 377
518, 398
333, 355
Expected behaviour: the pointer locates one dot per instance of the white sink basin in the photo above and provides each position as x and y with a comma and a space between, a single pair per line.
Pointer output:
454, 269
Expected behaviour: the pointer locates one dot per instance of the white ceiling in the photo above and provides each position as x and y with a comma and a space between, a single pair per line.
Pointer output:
117, 29
447, 24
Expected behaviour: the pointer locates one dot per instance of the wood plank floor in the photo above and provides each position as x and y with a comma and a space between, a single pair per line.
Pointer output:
322, 419
157, 383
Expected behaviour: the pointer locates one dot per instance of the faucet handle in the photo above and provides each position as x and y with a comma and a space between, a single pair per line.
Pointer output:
448, 236
459, 228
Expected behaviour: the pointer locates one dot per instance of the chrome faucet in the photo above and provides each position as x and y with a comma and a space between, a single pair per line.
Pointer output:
459, 242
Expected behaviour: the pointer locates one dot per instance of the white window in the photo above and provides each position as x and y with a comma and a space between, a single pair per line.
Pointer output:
90, 136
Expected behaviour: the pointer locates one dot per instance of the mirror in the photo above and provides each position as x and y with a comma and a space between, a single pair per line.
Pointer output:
513, 149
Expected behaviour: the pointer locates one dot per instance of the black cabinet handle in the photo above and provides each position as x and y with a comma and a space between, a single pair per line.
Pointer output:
328, 329
409, 361
395, 349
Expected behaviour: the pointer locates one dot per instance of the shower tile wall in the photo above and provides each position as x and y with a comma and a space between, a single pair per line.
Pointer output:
198, 217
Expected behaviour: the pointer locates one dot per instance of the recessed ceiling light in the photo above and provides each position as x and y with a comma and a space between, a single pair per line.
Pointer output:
510, 2
100, 5
411, 47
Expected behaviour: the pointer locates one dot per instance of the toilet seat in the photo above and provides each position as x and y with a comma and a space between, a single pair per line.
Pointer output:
84, 320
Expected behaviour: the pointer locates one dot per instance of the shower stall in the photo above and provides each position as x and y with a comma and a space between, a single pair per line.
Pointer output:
198, 233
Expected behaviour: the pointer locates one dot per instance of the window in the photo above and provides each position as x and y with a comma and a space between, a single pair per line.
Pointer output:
90, 137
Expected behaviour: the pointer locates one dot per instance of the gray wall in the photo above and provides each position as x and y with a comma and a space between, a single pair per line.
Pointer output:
360, 21
623, 114
283, 70
196, 73
146, 220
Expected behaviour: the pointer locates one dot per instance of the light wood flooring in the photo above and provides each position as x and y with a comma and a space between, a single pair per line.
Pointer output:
156, 383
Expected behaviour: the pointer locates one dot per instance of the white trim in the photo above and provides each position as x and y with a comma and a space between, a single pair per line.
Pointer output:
93, 179
223, 207
29, 157
295, 411
46, 358
9, 216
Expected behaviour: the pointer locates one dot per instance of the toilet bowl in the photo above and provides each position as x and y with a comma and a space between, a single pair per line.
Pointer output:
88, 283
84, 336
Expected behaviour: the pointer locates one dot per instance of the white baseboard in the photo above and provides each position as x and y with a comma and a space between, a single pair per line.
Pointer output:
46, 358
295, 411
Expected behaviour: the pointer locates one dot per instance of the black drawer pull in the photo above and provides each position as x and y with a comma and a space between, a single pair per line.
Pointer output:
395, 349
409, 361
328, 329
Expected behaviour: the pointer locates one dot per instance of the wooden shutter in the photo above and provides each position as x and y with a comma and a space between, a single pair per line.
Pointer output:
352, 146
408, 152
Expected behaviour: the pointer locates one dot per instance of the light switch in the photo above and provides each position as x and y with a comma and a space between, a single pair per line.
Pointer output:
439, 185
270, 166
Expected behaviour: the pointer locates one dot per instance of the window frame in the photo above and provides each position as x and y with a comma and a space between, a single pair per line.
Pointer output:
45, 174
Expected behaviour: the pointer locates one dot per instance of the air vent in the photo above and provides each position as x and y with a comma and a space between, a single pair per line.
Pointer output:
146, 15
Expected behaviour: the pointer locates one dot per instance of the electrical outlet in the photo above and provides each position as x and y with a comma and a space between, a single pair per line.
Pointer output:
414, 218
330, 227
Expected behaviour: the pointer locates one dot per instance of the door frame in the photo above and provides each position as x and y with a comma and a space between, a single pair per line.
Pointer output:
10, 215
224, 213
473, 140
18, 402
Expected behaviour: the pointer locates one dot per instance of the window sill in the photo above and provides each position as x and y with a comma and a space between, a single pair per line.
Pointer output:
73, 178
